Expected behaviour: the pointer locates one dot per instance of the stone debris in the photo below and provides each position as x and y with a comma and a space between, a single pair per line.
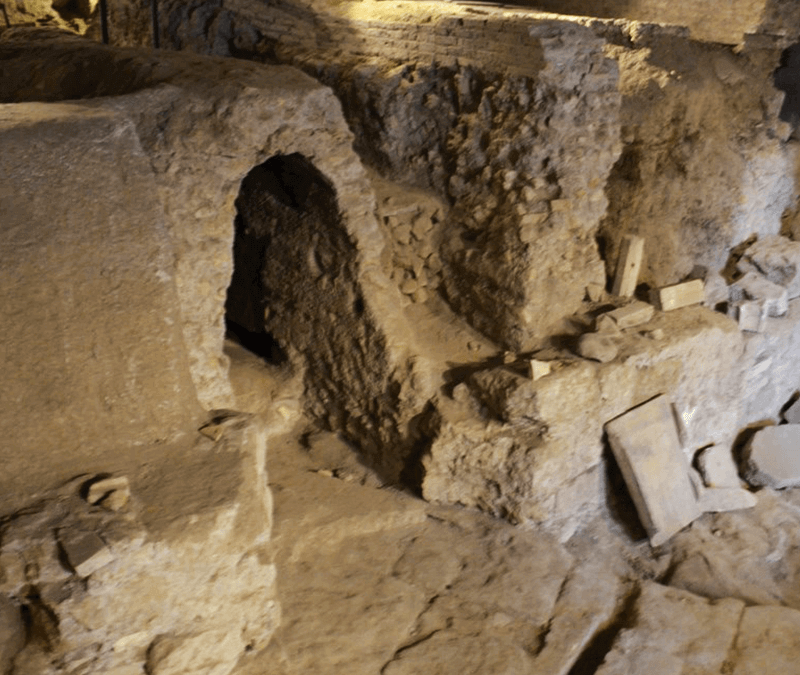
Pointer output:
634, 314
715, 289
773, 457
750, 316
778, 259
752, 286
628, 265
597, 347
595, 292
539, 369
605, 325
85, 551
714, 500
646, 446
110, 493
717, 467
680, 295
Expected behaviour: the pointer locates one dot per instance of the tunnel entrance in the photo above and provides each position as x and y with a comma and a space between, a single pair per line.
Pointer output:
277, 200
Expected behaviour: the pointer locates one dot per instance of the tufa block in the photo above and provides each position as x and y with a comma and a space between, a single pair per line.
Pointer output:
628, 265
645, 443
632, 315
681, 295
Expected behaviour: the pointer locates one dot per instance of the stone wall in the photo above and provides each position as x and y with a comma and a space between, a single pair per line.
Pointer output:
92, 352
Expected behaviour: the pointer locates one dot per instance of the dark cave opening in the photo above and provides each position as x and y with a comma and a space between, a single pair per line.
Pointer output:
272, 194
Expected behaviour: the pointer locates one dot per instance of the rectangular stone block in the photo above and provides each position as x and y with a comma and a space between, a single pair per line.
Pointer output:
628, 265
645, 443
539, 369
680, 295
632, 315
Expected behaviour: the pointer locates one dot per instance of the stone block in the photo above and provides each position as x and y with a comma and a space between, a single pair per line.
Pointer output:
646, 446
778, 259
714, 500
634, 314
539, 369
85, 551
595, 292
750, 316
597, 347
605, 325
628, 265
680, 295
752, 286
773, 457
717, 467
110, 492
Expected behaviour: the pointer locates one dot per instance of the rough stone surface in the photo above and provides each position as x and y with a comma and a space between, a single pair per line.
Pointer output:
767, 641
717, 467
772, 297
746, 554
598, 347
778, 259
773, 457
186, 567
81, 255
675, 632
12, 633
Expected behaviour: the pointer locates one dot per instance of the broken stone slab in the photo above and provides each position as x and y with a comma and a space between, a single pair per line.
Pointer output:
778, 259
597, 347
773, 457
631, 315
595, 292
717, 500
717, 467
85, 551
680, 295
628, 265
674, 631
645, 443
753, 286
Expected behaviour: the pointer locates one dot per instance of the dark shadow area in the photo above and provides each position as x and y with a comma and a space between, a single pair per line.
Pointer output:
787, 79
260, 343
595, 653
621, 508
743, 438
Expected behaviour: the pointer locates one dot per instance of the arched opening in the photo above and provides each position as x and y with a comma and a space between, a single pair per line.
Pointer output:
273, 197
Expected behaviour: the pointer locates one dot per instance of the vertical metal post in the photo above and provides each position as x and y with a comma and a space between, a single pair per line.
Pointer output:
154, 16
104, 21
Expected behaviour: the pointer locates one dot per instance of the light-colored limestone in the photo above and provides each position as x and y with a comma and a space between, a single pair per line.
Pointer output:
767, 641
674, 632
778, 259
752, 286
598, 347
628, 264
634, 314
773, 456
713, 500
646, 446
540, 369
680, 295
717, 467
